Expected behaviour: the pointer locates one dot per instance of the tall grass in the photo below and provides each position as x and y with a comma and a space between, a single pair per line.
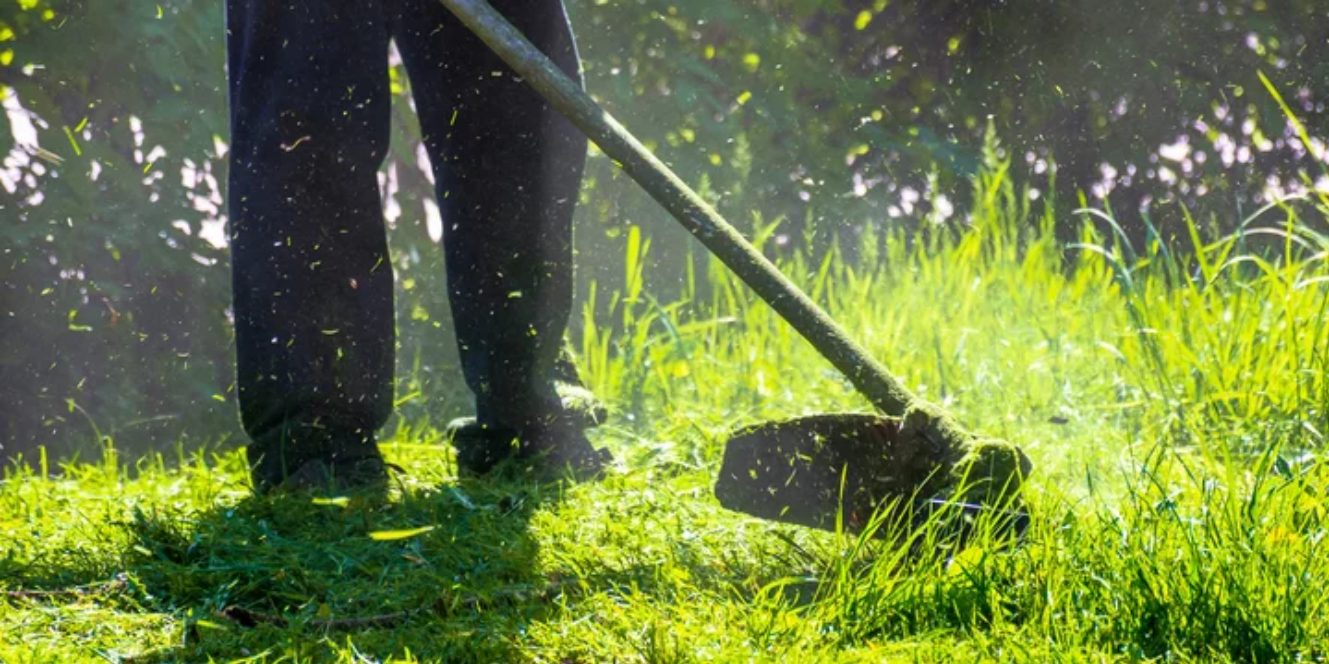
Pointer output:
1172, 395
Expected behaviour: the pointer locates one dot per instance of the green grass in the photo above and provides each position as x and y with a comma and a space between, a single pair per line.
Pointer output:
1172, 397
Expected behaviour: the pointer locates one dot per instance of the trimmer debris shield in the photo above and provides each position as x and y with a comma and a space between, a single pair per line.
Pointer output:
821, 469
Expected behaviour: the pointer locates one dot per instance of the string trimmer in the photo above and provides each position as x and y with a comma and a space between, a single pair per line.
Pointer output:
822, 470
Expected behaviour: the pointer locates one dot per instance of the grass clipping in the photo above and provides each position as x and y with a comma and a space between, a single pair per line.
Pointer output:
838, 470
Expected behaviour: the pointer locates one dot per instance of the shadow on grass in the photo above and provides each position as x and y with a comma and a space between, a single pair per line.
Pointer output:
446, 572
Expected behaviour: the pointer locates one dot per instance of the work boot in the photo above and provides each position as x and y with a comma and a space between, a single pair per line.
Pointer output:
549, 451
478, 448
559, 442
317, 460
561, 450
365, 476
579, 402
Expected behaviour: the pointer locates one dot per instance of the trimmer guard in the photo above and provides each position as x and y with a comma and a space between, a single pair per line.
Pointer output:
839, 469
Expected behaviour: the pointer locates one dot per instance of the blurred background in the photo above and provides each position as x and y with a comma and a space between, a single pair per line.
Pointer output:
818, 123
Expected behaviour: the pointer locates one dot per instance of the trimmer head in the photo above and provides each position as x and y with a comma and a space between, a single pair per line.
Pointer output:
818, 470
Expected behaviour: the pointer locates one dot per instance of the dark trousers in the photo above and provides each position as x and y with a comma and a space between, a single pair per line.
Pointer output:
313, 282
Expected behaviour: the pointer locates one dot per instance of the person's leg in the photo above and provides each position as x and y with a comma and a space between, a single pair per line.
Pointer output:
311, 274
508, 172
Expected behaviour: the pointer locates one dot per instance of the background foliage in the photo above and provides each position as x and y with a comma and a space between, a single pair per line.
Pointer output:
814, 121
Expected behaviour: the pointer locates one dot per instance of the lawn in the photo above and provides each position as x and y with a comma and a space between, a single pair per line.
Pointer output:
1171, 394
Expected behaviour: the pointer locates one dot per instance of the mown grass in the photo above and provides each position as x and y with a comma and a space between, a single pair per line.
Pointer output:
1172, 397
